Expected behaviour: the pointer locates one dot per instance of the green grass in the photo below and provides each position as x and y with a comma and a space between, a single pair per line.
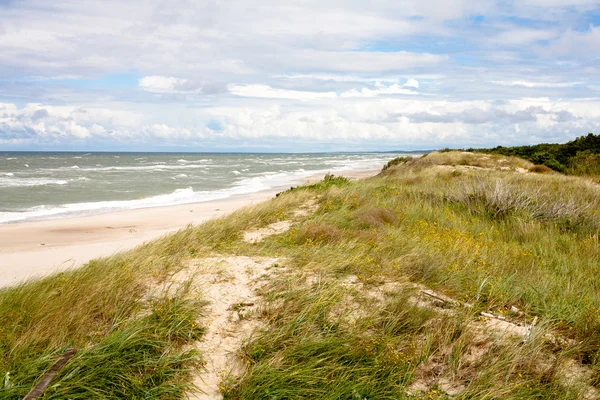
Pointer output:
129, 346
347, 320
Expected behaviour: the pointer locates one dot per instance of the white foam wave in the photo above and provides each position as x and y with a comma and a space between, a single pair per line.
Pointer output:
11, 158
29, 182
9, 174
146, 167
158, 167
179, 176
243, 185
179, 196
236, 172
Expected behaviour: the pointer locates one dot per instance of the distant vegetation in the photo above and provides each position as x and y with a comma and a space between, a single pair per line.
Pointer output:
577, 157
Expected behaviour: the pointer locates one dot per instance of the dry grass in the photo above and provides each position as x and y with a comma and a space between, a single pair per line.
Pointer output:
467, 159
540, 169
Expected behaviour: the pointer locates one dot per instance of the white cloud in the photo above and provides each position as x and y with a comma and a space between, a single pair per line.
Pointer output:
363, 79
412, 83
522, 36
575, 43
381, 89
161, 84
268, 92
390, 121
537, 84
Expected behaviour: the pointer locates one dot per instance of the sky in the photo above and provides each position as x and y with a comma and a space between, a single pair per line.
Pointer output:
295, 76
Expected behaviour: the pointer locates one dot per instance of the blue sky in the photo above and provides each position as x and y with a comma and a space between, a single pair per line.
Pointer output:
296, 76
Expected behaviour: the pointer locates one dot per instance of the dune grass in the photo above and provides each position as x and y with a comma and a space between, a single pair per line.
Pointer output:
492, 238
348, 319
129, 345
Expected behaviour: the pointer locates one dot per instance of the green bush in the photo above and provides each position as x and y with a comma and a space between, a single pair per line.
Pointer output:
585, 163
396, 161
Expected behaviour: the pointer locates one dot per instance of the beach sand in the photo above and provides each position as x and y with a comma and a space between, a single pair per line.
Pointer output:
35, 249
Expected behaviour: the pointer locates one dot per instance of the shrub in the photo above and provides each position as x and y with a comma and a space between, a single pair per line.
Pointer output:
396, 161
374, 217
496, 199
499, 199
540, 169
584, 163
318, 233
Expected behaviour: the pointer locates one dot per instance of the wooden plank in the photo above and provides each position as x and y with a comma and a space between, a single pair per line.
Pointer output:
39, 388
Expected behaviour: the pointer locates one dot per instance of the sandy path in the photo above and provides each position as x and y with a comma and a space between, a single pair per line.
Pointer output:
35, 249
229, 284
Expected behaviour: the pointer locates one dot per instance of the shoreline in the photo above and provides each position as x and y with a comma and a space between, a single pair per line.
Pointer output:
30, 250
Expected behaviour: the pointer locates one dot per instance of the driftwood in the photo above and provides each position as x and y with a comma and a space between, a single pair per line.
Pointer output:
445, 300
43, 383
435, 296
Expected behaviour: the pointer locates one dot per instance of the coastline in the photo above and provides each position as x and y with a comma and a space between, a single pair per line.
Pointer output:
35, 249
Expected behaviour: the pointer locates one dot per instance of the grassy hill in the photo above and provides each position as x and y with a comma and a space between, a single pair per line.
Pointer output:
454, 275
577, 157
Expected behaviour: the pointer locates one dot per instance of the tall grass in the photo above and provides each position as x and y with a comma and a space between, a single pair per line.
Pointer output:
490, 238
128, 346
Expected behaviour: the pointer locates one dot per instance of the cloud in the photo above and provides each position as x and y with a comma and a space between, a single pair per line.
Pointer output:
521, 36
575, 43
161, 84
172, 85
377, 74
265, 91
537, 84
346, 123
497, 116
381, 89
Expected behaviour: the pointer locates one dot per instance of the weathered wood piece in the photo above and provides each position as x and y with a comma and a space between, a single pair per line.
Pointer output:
43, 383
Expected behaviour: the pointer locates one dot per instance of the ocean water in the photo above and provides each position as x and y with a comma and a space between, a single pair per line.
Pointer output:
42, 185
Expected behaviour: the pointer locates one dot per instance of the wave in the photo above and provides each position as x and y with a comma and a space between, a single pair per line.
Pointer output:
43, 212
177, 197
159, 167
245, 183
29, 182
8, 174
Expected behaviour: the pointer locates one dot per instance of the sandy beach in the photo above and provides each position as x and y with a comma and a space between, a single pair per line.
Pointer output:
35, 249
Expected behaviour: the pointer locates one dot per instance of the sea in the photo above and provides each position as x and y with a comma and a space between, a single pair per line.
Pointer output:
49, 185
